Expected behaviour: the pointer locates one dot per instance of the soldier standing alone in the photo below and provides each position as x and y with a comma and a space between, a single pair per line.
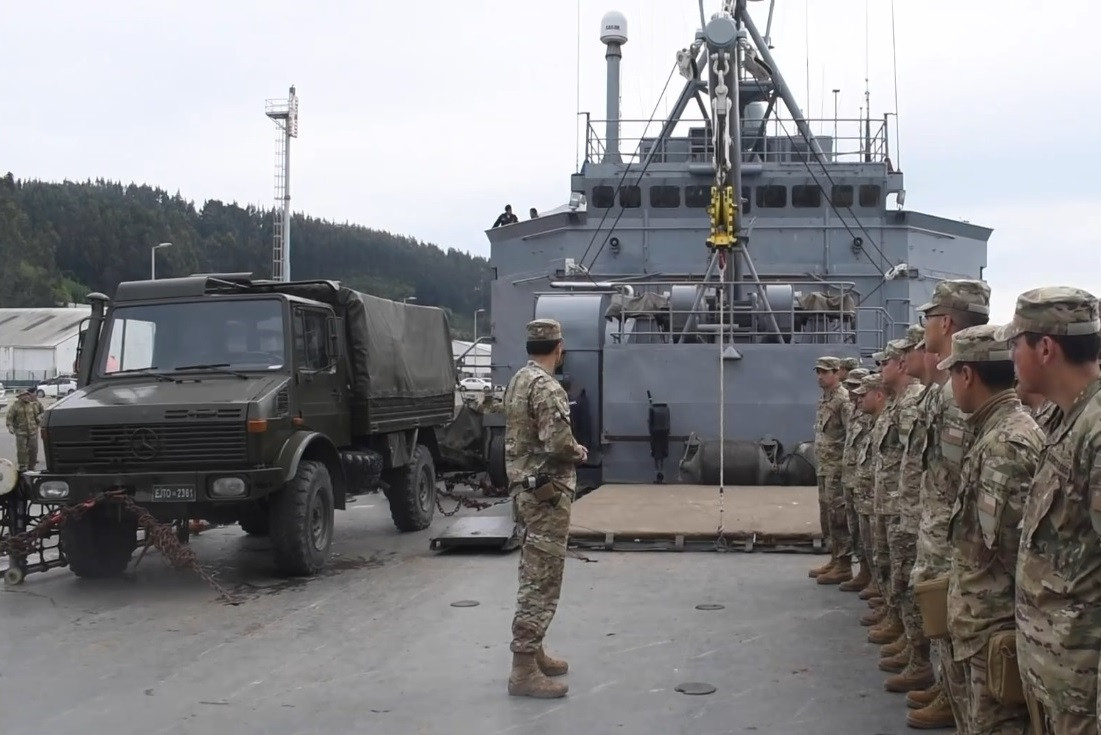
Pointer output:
540, 459
24, 421
1054, 341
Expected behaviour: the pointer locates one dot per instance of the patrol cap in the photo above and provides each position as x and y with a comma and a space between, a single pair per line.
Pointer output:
869, 382
544, 329
827, 363
1054, 310
977, 344
855, 376
849, 363
962, 294
879, 356
915, 336
896, 348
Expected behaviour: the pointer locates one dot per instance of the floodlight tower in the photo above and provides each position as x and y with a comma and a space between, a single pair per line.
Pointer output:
285, 114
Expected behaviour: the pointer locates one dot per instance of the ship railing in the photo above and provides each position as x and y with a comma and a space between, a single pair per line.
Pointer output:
842, 140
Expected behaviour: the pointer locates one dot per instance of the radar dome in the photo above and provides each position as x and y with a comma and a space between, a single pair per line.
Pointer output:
613, 27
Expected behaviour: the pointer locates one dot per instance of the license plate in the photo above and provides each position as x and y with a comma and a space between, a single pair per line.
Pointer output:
173, 493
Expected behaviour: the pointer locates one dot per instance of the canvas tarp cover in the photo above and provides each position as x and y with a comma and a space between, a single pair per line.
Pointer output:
395, 349
460, 442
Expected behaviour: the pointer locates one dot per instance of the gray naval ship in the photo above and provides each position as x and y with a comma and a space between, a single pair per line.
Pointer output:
698, 269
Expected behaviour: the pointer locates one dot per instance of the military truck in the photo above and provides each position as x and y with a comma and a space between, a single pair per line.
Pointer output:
256, 402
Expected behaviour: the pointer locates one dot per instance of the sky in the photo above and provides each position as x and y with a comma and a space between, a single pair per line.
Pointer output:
426, 119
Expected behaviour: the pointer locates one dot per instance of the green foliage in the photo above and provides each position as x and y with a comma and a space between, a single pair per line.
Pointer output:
59, 241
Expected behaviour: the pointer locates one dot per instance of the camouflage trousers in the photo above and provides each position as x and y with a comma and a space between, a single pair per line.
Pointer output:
1058, 723
852, 521
542, 559
841, 541
954, 679
986, 715
867, 542
824, 511
26, 450
903, 549
881, 557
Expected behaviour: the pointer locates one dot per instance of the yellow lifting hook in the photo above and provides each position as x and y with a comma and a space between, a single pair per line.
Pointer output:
722, 212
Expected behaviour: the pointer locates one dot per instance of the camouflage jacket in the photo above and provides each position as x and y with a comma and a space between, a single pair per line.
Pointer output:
948, 436
829, 431
887, 441
1059, 565
864, 484
24, 416
911, 423
856, 425
538, 434
984, 527
1047, 416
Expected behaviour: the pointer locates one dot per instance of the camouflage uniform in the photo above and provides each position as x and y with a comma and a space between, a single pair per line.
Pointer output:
948, 438
24, 422
1059, 564
539, 443
864, 484
1047, 416
856, 424
984, 531
829, 441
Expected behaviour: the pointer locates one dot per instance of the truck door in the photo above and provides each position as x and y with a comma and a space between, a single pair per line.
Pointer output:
321, 393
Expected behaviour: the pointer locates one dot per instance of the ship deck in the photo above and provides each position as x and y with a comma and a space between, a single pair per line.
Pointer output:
375, 645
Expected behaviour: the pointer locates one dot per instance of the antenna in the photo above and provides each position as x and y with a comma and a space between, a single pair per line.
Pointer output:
285, 114
613, 34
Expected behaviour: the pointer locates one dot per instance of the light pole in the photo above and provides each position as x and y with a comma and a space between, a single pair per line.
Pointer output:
835, 144
476, 313
153, 259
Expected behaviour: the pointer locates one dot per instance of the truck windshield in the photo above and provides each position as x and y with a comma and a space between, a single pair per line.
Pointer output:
244, 334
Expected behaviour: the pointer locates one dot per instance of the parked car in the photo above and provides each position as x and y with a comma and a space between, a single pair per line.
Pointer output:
474, 384
57, 387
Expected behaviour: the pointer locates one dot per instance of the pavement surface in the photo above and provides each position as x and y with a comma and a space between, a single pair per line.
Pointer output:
373, 645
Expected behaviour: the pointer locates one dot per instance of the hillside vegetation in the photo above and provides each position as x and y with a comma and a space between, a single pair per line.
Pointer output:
59, 241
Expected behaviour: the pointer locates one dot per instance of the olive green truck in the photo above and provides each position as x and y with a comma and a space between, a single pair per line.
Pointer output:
234, 400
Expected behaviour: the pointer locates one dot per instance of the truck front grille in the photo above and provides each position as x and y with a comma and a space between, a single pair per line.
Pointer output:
175, 446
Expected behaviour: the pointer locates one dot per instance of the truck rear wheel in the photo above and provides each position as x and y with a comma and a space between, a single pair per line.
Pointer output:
99, 544
412, 492
301, 520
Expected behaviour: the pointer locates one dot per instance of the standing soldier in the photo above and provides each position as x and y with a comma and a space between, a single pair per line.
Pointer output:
848, 364
540, 459
983, 528
829, 442
1055, 344
23, 421
873, 399
955, 305
856, 425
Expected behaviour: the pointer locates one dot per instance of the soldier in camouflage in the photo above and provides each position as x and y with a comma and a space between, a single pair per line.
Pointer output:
829, 443
873, 398
24, 421
954, 305
540, 460
984, 527
856, 425
1054, 338
848, 364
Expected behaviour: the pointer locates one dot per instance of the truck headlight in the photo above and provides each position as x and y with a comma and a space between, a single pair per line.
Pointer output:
228, 487
53, 490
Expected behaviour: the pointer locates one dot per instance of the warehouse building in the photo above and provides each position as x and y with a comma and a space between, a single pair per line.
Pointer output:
38, 344
476, 362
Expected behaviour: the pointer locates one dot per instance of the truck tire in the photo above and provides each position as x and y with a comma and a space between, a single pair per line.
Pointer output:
99, 544
411, 492
254, 519
301, 521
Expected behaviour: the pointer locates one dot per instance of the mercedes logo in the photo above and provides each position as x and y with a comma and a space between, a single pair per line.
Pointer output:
144, 444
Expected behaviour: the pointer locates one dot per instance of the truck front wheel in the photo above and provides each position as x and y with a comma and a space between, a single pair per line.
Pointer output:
411, 491
100, 543
301, 521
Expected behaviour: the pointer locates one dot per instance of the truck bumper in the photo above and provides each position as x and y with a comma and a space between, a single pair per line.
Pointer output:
156, 488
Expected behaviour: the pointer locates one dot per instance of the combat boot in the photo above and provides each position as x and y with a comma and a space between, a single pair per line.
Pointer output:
923, 697
549, 665
859, 582
918, 673
842, 572
893, 649
876, 602
874, 617
822, 569
888, 630
935, 716
897, 663
869, 590
526, 680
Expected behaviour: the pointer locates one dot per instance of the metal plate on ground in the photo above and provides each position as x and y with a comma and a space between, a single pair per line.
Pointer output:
695, 688
476, 532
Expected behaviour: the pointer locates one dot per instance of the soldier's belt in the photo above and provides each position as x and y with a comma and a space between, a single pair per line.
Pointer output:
542, 487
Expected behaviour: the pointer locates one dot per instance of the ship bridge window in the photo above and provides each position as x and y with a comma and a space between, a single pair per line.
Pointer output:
842, 195
806, 197
697, 197
869, 195
772, 196
603, 197
630, 197
664, 197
